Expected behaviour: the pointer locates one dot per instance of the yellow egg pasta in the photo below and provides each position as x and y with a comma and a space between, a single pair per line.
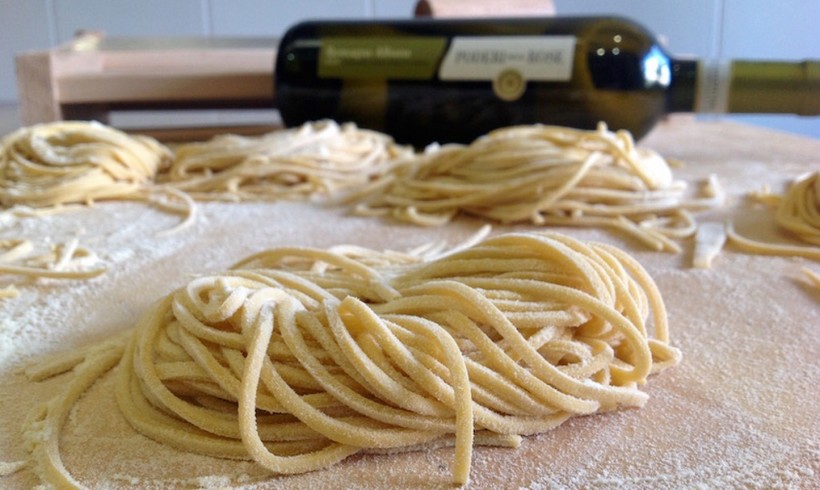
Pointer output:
66, 162
67, 260
546, 175
314, 160
297, 358
798, 213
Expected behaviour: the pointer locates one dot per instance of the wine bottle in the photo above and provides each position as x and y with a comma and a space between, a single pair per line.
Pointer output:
453, 80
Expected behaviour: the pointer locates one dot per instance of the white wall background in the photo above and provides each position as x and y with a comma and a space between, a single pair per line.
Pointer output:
765, 29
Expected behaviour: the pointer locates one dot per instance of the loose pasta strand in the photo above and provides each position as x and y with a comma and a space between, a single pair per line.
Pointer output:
798, 213
65, 261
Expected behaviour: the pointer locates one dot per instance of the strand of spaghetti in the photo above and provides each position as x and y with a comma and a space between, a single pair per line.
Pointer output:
436, 371
188, 209
51, 274
66, 361
355, 432
371, 277
456, 394
767, 248
798, 212
17, 259
498, 359
143, 415
43, 427
812, 276
162, 396
680, 224
65, 252
520, 397
546, 371
16, 249
259, 337
383, 385
655, 241
350, 397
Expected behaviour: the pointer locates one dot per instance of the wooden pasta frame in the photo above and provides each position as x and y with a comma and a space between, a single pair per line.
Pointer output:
83, 79
483, 8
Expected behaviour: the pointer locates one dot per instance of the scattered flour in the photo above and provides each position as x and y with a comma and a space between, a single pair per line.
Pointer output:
739, 412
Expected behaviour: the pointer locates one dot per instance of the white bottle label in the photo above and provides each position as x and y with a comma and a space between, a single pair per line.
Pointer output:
538, 58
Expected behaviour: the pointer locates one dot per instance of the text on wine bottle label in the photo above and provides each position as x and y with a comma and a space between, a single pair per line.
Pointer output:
537, 58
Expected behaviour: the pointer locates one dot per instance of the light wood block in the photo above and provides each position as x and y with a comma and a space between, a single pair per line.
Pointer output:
484, 8
91, 76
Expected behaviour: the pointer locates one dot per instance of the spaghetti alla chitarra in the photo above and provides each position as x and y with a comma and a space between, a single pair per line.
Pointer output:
542, 174
75, 162
51, 164
315, 160
545, 175
298, 358
48, 168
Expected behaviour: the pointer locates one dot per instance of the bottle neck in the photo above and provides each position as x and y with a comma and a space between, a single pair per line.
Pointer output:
682, 92
763, 87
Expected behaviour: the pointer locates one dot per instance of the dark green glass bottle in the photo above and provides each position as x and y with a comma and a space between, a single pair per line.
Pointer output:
453, 80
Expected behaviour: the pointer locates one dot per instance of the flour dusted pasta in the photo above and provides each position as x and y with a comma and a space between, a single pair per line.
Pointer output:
297, 358
63, 261
314, 160
798, 212
542, 174
52, 167
545, 175
75, 162
24, 258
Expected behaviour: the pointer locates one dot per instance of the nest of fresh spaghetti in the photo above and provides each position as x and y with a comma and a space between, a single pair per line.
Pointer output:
298, 358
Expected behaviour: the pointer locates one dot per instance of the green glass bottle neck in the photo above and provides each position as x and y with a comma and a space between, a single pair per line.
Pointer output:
772, 87
764, 87
682, 93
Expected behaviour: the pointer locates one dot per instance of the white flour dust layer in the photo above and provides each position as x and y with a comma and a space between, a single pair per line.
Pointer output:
738, 412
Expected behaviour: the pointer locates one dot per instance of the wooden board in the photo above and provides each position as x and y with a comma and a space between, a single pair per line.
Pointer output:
740, 411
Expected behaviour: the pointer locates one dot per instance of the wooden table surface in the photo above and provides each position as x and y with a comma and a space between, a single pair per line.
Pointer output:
740, 411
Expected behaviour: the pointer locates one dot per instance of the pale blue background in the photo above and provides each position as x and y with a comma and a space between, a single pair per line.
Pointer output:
769, 29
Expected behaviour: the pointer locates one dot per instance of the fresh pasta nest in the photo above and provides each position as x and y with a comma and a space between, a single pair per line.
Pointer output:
799, 209
546, 175
57, 163
315, 159
297, 358
798, 213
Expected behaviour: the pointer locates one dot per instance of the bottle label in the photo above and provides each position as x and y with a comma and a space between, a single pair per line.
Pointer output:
509, 61
405, 57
